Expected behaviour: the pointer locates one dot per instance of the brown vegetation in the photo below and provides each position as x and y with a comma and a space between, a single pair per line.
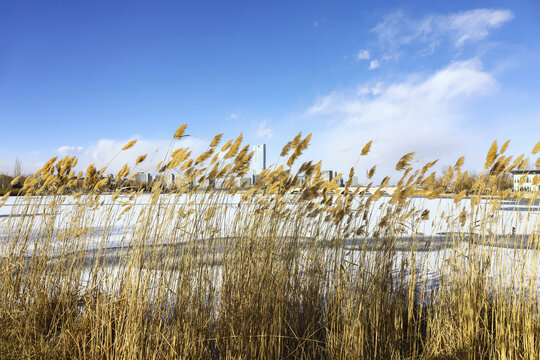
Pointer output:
270, 276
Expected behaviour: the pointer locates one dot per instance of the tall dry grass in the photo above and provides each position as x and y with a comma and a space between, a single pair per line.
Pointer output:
322, 274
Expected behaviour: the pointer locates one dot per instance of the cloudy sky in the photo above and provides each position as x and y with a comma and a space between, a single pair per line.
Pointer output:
443, 79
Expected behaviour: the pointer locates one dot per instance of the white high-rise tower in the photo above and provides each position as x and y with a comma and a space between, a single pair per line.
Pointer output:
259, 159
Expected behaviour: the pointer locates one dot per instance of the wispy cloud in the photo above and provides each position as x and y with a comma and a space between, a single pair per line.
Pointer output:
234, 116
398, 29
264, 131
422, 114
69, 150
363, 55
374, 64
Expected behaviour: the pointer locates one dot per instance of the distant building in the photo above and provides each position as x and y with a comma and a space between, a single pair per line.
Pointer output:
526, 180
143, 177
327, 175
259, 160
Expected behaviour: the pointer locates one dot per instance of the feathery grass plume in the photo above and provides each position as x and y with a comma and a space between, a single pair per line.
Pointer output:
537, 164
303, 145
234, 147
366, 148
304, 167
435, 193
226, 146
460, 196
298, 149
459, 163
186, 165
317, 169
536, 148
140, 159
48, 165
515, 163
179, 133
30, 183
225, 171
213, 173
216, 157
491, 155
428, 166
505, 163
296, 140
204, 156
181, 154
371, 172
404, 161
505, 146
100, 184
215, 141
462, 217
90, 178
4, 198
349, 180
74, 161
241, 154
16, 180
286, 149
384, 182
129, 144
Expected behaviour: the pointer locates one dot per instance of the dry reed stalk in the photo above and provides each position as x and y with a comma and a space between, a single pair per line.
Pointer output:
316, 275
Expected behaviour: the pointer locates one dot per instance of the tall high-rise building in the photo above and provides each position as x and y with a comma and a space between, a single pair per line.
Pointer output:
259, 159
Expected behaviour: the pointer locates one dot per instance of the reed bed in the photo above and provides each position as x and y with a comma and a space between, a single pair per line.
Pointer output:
287, 269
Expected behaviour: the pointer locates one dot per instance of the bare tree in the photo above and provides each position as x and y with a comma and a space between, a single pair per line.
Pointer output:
18, 168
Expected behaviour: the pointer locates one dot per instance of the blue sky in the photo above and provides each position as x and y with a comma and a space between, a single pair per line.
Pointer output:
443, 79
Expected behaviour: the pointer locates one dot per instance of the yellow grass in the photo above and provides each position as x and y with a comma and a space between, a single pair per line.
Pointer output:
271, 277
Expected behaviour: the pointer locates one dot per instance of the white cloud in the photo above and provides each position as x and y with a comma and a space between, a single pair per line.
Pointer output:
234, 116
374, 64
264, 131
422, 114
363, 55
371, 89
397, 29
315, 24
475, 24
69, 150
